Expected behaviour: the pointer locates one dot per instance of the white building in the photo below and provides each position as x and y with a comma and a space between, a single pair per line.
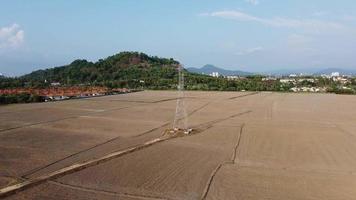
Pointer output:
55, 84
286, 80
340, 79
232, 77
326, 76
335, 74
307, 79
215, 74
269, 79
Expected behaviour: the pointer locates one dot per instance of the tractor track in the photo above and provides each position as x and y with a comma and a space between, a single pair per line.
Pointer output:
80, 152
168, 123
89, 114
86, 114
106, 192
12, 189
101, 144
28, 183
61, 119
210, 123
109, 110
158, 101
244, 95
76, 167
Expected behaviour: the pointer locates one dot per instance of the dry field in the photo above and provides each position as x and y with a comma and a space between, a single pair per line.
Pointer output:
249, 146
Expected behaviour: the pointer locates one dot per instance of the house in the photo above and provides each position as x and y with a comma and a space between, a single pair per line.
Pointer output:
55, 84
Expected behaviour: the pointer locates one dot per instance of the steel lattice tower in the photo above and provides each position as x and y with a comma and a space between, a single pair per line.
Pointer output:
180, 119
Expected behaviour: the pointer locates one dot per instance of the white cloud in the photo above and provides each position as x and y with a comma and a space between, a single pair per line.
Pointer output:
249, 51
253, 2
311, 25
11, 36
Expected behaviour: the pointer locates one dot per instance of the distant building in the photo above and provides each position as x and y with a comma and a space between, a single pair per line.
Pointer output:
295, 89
269, 79
215, 74
55, 84
293, 75
232, 77
340, 79
286, 80
335, 74
308, 89
307, 79
326, 76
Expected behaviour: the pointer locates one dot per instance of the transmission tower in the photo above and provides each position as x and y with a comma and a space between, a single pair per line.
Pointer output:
180, 119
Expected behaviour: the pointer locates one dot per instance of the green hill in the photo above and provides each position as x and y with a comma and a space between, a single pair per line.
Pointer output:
134, 70
125, 69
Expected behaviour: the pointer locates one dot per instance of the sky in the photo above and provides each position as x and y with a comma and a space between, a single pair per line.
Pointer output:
250, 35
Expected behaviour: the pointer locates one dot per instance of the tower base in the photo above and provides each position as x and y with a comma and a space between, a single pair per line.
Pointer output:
178, 132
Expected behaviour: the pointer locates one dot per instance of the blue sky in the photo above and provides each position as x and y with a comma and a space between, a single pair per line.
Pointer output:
251, 35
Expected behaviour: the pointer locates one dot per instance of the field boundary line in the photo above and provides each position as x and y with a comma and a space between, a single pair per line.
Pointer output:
12, 189
106, 142
228, 162
28, 173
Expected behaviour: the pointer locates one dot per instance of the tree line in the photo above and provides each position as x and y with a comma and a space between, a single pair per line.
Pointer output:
139, 71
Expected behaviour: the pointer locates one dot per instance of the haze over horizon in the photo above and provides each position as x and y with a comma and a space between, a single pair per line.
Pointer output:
249, 35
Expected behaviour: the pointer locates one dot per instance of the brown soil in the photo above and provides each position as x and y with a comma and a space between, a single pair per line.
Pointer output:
247, 146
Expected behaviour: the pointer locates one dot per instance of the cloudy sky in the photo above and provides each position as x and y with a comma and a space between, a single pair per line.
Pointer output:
251, 35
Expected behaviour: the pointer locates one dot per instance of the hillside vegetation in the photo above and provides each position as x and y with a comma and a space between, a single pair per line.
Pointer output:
130, 70
126, 69
139, 71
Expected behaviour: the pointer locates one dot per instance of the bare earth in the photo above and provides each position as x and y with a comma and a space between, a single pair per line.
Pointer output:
248, 146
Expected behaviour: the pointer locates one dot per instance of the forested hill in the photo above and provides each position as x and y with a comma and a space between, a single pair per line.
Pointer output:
121, 70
